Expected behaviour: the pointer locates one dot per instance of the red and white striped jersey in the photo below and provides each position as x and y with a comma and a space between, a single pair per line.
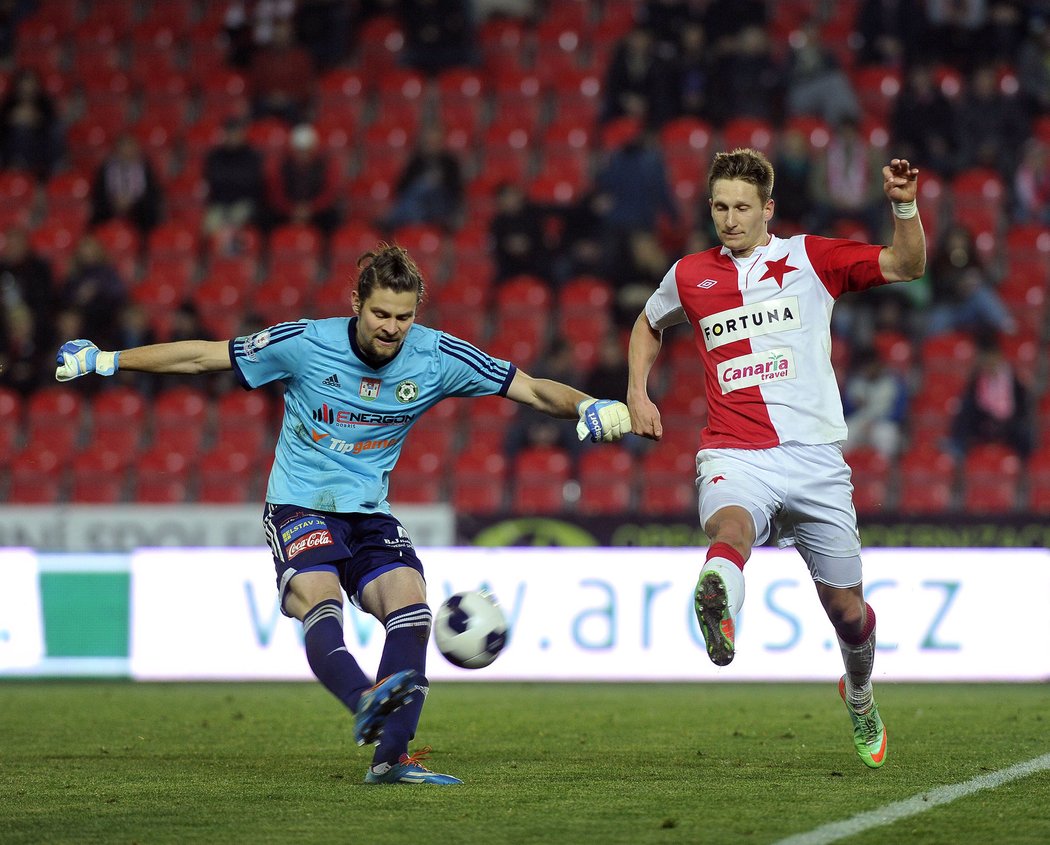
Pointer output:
762, 326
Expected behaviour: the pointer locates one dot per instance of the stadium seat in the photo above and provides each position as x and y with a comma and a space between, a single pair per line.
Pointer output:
979, 197
927, 480
540, 474
991, 475
119, 415
97, 475
1038, 480
504, 44
1028, 251
55, 415
11, 422
478, 482
750, 132
871, 480
686, 144
36, 477
947, 354
123, 245
180, 417
606, 477
343, 94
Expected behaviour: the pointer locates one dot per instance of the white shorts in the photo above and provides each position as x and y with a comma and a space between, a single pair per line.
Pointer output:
800, 494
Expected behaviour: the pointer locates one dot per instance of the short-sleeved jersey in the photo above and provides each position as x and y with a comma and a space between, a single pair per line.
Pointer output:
762, 326
345, 421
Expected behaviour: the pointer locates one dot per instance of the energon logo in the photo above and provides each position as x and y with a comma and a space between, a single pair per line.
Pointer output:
773, 315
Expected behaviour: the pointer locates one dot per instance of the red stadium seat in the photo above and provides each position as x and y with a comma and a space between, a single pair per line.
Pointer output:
871, 480
56, 414
36, 476
750, 132
119, 414
98, 475
479, 480
606, 477
991, 475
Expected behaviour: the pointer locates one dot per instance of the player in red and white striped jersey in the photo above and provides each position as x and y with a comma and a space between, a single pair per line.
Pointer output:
770, 459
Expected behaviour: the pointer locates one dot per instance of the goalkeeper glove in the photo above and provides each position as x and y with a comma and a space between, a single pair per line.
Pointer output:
77, 358
605, 420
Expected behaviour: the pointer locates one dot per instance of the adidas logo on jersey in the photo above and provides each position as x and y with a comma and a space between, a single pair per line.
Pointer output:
331, 381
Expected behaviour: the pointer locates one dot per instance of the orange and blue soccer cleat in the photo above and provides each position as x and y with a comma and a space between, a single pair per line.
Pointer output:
410, 769
380, 701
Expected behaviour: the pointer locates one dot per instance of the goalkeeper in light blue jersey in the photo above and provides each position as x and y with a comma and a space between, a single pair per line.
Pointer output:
354, 387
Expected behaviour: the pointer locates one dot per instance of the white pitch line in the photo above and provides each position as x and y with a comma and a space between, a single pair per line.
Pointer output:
915, 805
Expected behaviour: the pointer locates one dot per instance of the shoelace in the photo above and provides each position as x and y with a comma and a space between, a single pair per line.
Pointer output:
416, 758
871, 728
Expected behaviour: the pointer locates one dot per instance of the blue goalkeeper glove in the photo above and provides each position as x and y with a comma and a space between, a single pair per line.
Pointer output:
77, 358
605, 420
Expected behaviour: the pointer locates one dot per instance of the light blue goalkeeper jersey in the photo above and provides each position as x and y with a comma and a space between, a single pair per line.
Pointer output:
345, 421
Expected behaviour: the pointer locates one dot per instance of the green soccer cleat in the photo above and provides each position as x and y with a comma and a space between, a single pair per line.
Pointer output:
869, 734
715, 618
410, 769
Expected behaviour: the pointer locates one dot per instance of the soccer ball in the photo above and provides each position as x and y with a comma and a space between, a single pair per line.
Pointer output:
470, 629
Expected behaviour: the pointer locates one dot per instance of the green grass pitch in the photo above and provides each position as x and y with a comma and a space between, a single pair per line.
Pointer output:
120, 762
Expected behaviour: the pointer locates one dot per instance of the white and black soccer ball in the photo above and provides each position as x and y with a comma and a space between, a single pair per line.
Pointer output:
470, 629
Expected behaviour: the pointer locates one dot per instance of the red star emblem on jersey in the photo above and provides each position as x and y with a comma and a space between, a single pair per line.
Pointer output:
776, 270
718, 478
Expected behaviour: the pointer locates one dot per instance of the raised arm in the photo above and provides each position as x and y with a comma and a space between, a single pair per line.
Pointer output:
603, 420
905, 258
80, 357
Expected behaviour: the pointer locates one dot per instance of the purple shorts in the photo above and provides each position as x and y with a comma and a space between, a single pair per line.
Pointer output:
358, 547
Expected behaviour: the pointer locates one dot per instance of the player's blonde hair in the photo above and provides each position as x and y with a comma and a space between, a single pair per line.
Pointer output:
745, 164
391, 267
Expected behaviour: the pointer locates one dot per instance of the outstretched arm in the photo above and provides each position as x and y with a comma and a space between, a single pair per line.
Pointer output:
602, 419
641, 355
905, 258
80, 357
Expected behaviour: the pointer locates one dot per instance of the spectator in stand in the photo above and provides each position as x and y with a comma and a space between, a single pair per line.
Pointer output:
439, 34
126, 187
991, 124
580, 249
303, 185
26, 280
430, 186
749, 82
22, 356
794, 169
875, 404
281, 77
1032, 183
956, 27
692, 72
324, 27
847, 181
1004, 31
640, 198
236, 180
93, 289
250, 25
924, 121
517, 233
639, 83
30, 130
610, 370
1033, 67
963, 298
995, 405
891, 32
817, 84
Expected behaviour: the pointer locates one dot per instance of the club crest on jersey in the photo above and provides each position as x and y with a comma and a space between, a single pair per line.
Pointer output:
756, 369
370, 388
759, 318
253, 343
406, 391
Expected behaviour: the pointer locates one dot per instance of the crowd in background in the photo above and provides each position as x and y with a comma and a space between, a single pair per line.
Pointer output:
972, 97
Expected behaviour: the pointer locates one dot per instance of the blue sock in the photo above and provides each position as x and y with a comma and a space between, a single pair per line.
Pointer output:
407, 633
326, 652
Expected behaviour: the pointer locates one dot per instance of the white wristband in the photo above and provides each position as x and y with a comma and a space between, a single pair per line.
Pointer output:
904, 210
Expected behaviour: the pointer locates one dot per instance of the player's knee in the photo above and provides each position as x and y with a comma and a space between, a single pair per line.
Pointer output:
846, 614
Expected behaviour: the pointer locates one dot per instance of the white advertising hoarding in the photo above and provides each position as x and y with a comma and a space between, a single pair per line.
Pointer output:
21, 622
614, 614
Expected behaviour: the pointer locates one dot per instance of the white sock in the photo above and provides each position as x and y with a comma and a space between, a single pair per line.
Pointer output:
732, 577
858, 661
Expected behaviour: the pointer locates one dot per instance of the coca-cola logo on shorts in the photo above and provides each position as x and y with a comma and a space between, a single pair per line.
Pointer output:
310, 541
